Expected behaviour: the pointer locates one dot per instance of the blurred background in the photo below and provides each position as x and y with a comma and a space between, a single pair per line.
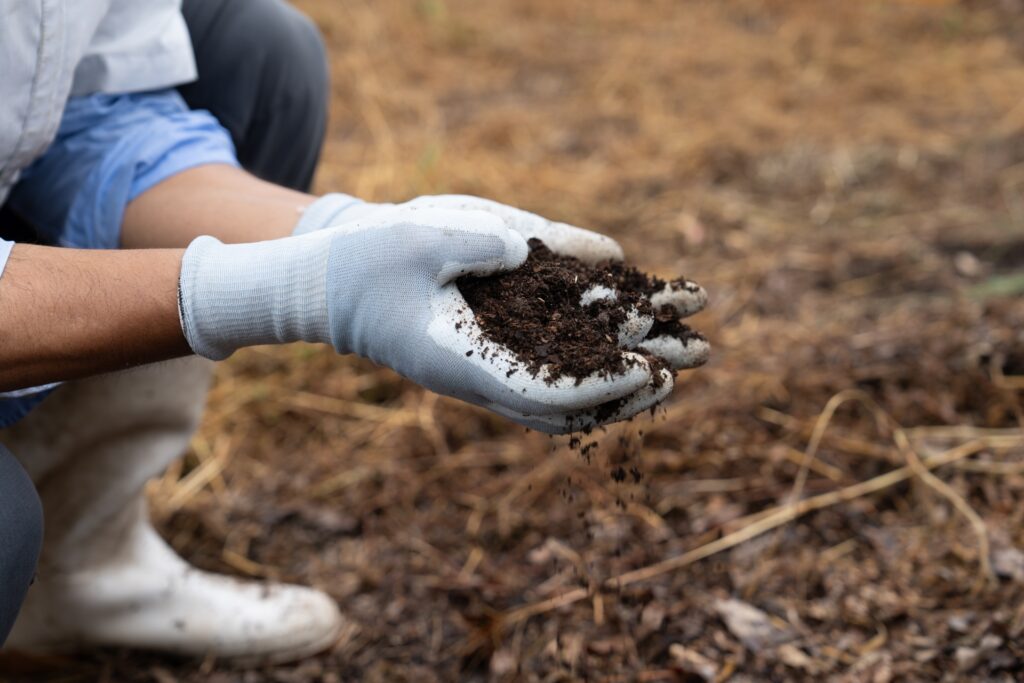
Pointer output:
847, 181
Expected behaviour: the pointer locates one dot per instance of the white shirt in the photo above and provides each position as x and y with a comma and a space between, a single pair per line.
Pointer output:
53, 49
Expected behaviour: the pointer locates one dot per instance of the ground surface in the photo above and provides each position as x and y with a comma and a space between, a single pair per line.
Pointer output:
845, 178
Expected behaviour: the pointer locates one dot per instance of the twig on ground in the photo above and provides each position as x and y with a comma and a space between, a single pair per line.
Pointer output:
821, 426
985, 574
210, 468
843, 442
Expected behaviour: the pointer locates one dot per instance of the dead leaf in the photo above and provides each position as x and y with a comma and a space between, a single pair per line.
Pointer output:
796, 658
969, 657
503, 662
755, 628
651, 619
1008, 563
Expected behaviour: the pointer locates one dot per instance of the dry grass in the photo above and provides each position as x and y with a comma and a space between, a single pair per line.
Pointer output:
845, 178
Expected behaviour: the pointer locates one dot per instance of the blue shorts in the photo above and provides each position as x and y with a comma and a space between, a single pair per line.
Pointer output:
109, 150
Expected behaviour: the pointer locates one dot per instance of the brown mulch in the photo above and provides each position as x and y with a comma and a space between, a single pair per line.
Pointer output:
845, 180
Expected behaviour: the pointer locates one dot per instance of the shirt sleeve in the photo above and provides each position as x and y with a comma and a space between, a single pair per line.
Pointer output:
137, 47
5, 251
109, 150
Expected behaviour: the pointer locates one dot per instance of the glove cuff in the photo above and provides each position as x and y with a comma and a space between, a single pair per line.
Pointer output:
325, 212
274, 292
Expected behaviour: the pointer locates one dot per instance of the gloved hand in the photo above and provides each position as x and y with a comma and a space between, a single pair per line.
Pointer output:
381, 283
676, 300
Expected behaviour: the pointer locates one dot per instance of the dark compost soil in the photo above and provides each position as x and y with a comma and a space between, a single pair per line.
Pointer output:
535, 311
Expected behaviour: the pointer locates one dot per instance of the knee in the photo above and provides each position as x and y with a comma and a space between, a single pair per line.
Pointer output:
263, 73
21, 512
22, 531
294, 58
21, 537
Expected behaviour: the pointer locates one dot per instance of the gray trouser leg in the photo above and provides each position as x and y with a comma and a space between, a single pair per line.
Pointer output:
263, 73
21, 538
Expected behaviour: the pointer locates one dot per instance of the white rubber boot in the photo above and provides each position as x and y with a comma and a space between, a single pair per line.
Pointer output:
105, 577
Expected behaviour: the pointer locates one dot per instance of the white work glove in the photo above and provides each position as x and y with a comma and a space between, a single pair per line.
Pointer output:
680, 299
382, 287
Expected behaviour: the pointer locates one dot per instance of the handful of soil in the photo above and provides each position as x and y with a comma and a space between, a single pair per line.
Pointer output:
536, 312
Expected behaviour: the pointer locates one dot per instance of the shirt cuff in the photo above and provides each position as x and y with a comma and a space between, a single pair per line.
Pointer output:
5, 251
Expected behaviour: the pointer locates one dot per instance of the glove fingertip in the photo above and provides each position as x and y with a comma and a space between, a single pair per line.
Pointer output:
681, 354
634, 328
684, 296
516, 249
586, 245
645, 399
628, 407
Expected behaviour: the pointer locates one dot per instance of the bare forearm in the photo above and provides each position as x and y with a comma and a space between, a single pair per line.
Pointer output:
221, 201
67, 313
